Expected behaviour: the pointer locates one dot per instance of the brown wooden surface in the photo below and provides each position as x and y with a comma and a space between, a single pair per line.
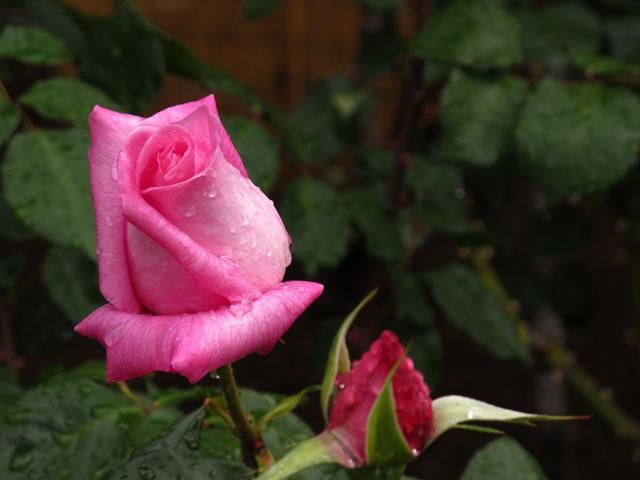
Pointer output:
279, 56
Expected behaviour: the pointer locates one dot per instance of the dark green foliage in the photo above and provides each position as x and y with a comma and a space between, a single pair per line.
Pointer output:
65, 98
32, 45
317, 222
9, 119
46, 177
257, 148
549, 35
476, 33
476, 310
255, 9
125, 59
503, 459
579, 139
478, 113
72, 281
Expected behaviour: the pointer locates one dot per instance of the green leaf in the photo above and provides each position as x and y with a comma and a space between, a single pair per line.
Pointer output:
318, 223
438, 192
283, 433
10, 226
600, 65
385, 443
48, 433
9, 119
175, 454
623, 33
412, 305
255, 9
72, 281
285, 406
338, 360
549, 35
452, 410
11, 268
10, 389
379, 55
476, 33
46, 177
257, 148
125, 59
382, 5
153, 425
220, 442
478, 114
371, 212
52, 16
476, 310
426, 350
66, 98
175, 396
95, 370
503, 459
578, 139
33, 45
377, 473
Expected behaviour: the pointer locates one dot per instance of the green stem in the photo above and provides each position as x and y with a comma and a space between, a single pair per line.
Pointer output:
245, 429
623, 426
556, 355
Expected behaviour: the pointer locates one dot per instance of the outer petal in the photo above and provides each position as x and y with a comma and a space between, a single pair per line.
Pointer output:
178, 112
108, 132
208, 271
193, 345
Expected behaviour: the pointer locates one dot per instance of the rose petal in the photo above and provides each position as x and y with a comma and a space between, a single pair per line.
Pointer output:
207, 270
230, 217
193, 345
179, 112
108, 132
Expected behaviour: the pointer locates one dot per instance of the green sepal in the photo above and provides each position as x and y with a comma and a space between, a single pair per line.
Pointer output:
323, 448
338, 361
386, 445
375, 473
451, 410
285, 406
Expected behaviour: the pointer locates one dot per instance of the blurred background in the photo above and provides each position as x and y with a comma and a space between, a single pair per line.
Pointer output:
476, 160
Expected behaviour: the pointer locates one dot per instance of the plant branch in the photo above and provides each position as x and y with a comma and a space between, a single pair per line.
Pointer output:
558, 357
414, 96
25, 118
245, 428
124, 388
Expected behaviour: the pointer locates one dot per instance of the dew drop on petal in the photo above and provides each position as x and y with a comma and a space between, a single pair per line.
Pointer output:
301, 289
245, 220
108, 221
232, 228
213, 191
191, 211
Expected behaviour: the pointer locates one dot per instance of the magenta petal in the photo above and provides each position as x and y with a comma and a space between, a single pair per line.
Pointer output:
195, 344
178, 113
108, 132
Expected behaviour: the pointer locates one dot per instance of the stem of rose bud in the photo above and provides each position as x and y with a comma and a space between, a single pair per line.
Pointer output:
245, 429
124, 388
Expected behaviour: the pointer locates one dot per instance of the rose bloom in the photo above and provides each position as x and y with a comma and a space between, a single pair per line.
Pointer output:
359, 388
191, 254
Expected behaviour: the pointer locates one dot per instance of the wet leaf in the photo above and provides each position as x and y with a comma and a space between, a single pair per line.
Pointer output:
33, 45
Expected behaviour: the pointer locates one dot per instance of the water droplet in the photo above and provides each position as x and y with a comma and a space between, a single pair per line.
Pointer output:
415, 452
192, 443
245, 220
98, 250
341, 386
471, 414
191, 211
232, 228
212, 192
164, 263
258, 302
383, 472
301, 289
17, 417
254, 240
215, 375
269, 252
243, 240
193, 466
108, 221
146, 473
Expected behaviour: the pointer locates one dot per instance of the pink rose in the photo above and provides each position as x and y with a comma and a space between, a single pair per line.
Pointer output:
359, 388
191, 253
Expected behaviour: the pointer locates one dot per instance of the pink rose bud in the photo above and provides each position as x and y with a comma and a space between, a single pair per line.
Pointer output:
191, 253
360, 389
